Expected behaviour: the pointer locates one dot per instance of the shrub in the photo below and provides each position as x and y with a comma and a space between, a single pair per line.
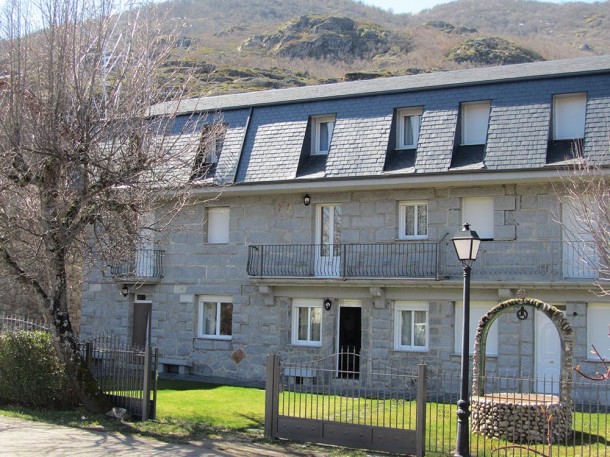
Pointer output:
31, 374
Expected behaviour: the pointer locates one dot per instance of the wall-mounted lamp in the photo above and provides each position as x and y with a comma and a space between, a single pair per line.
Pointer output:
327, 304
306, 200
124, 290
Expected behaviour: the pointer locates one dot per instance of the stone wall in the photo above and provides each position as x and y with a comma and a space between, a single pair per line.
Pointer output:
262, 312
522, 418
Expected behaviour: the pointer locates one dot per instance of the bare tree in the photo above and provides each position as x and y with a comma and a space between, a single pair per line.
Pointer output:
81, 158
585, 200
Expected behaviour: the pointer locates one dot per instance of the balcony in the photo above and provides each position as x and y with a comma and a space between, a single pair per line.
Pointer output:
145, 266
497, 261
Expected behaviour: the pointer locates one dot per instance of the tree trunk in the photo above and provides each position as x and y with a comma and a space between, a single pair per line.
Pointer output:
76, 367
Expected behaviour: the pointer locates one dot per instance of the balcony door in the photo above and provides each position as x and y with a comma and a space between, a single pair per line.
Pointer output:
144, 255
328, 240
579, 256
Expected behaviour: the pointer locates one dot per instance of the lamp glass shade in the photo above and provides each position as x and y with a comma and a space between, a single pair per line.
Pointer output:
466, 243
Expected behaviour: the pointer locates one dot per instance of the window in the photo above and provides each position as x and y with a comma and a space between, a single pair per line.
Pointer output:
307, 322
413, 222
479, 213
218, 224
322, 134
580, 257
411, 326
477, 310
215, 317
569, 116
598, 329
475, 119
407, 128
212, 140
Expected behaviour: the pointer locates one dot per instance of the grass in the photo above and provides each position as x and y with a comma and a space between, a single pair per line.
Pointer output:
193, 411
219, 407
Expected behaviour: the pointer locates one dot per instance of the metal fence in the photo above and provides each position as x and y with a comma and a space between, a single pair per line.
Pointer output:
521, 416
9, 323
327, 400
124, 372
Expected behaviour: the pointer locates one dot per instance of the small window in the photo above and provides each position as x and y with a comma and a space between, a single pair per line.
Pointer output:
477, 310
322, 130
569, 116
407, 128
411, 326
218, 224
413, 222
479, 213
208, 152
475, 120
598, 330
215, 317
307, 322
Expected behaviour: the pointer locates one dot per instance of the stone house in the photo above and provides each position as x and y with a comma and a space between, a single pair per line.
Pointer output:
329, 219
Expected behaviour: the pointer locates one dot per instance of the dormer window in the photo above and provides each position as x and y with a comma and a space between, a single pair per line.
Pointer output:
569, 116
322, 133
475, 120
408, 121
210, 146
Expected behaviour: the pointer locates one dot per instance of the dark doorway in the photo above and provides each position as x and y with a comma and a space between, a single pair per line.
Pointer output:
141, 322
350, 341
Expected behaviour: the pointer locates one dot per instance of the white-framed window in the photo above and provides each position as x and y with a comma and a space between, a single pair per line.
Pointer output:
475, 120
413, 220
477, 310
598, 329
322, 133
218, 224
215, 317
569, 111
408, 121
479, 213
307, 322
411, 326
212, 140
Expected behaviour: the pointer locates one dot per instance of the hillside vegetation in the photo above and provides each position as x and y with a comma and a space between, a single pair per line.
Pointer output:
242, 45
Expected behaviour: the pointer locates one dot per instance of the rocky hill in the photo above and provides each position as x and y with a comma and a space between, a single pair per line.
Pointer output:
240, 45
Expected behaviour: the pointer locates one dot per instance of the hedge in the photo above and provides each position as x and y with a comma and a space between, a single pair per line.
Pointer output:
31, 374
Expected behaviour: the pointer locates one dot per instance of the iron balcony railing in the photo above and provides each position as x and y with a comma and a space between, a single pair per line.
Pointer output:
145, 264
497, 260
390, 260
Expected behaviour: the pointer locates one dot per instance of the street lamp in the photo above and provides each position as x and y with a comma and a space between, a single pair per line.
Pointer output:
466, 243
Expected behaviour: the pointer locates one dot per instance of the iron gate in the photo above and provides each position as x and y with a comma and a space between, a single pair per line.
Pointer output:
381, 408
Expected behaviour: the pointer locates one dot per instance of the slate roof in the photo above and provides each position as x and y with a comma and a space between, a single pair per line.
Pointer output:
268, 136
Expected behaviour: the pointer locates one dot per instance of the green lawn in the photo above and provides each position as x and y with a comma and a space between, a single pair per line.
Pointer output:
222, 407
190, 411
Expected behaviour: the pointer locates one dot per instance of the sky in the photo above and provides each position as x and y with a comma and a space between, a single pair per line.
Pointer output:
415, 6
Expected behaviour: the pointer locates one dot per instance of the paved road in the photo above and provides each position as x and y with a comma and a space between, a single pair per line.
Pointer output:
20, 437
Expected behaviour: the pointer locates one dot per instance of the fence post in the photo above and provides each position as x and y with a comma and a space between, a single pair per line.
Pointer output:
154, 371
89, 355
272, 392
420, 426
146, 385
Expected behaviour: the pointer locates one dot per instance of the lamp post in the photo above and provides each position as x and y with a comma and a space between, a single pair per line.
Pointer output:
466, 243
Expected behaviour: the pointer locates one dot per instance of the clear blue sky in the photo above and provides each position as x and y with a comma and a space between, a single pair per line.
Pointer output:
414, 6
